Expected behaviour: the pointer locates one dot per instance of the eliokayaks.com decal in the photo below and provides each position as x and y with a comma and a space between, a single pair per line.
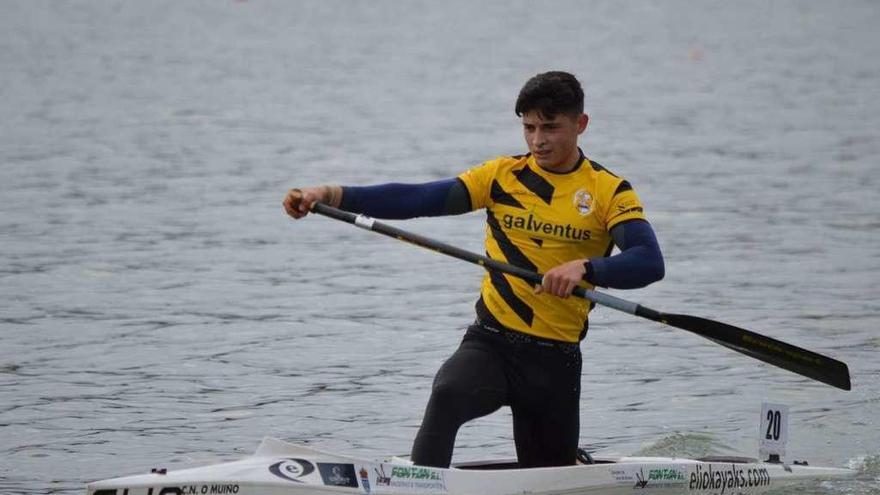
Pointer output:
720, 479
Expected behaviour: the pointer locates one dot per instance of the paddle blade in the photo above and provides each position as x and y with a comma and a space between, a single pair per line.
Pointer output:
769, 350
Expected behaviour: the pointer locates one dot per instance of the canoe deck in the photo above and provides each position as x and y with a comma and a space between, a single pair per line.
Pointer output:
281, 468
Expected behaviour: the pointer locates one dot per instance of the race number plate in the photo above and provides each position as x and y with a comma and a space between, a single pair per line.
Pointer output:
773, 430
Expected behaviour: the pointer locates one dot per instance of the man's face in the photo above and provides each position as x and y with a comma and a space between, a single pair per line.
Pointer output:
553, 142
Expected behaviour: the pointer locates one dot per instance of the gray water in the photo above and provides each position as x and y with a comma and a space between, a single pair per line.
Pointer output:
159, 309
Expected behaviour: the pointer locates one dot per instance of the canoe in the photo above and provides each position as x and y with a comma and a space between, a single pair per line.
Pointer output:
281, 468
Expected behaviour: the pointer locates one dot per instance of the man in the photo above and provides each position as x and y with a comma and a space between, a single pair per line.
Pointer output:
552, 211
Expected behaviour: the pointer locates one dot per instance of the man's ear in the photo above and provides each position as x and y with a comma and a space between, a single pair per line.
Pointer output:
583, 120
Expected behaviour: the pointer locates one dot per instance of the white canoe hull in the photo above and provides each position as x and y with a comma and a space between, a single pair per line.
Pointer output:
279, 468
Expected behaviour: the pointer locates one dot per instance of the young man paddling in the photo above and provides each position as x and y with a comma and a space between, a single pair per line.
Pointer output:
551, 211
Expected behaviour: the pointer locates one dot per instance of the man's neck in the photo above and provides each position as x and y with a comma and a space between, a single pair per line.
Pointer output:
570, 163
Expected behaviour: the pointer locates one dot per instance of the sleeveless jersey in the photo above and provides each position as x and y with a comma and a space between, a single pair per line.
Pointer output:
537, 220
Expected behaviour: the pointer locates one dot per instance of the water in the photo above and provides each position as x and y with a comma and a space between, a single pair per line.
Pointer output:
159, 309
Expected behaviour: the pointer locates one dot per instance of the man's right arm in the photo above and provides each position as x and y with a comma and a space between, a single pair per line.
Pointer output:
388, 201
298, 201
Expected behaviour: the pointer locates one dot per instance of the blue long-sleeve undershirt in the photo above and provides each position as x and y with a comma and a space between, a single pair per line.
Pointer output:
638, 263
401, 201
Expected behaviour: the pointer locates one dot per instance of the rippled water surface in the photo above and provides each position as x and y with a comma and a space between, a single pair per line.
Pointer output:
157, 308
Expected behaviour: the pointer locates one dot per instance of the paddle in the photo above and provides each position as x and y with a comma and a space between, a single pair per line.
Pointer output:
769, 350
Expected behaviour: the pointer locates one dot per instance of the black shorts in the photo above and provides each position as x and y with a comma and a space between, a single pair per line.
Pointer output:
538, 378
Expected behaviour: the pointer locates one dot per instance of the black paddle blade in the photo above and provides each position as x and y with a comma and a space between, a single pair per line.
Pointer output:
769, 350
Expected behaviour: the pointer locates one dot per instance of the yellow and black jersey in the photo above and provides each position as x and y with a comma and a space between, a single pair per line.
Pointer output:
537, 220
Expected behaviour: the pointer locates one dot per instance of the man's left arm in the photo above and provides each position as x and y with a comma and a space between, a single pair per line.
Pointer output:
639, 263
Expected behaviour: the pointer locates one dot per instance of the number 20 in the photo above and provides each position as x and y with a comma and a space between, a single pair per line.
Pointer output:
774, 425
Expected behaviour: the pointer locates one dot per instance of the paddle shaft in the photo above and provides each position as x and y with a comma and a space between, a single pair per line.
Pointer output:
767, 349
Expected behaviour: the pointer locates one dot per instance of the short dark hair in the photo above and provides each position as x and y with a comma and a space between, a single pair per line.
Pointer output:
551, 93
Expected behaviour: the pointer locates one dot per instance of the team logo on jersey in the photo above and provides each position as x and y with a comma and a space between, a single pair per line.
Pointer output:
583, 202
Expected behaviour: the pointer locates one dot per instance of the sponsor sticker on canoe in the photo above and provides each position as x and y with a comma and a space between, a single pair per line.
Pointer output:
417, 478
292, 469
653, 476
365, 478
382, 479
393, 478
338, 474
